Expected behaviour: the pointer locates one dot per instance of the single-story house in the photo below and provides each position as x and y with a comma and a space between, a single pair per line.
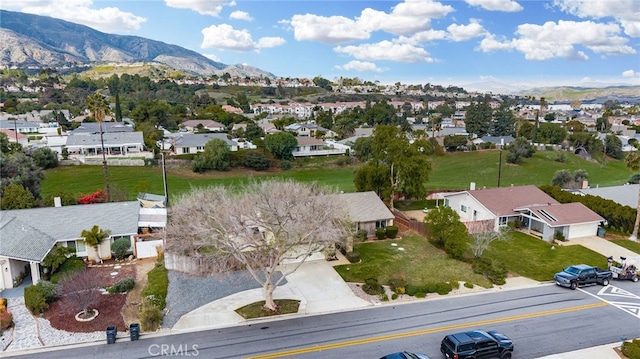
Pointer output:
28, 235
538, 212
367, 211
626, 195
94, 127
311, 146
211, 125
309, 129
183, 143
499, 141
115, 143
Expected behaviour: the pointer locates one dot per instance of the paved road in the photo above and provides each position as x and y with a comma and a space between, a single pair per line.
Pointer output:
542, 321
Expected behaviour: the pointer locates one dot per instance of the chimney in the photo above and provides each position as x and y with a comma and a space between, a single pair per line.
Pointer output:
472, 186
585, 184
57, 202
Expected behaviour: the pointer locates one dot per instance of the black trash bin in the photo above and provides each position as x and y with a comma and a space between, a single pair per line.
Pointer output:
112, 331
134, 331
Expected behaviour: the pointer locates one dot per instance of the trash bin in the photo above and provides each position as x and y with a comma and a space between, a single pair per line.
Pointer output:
134, 331
112, 331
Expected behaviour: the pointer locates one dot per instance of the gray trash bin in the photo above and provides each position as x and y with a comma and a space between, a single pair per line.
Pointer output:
134, 331
112, 331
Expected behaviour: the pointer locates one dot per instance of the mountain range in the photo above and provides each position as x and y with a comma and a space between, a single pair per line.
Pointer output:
38, 41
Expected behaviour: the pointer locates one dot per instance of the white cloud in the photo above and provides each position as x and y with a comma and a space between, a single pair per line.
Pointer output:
361, 66
630, 73
422, 37
466, 32
107, 19
212, 57
406, 18
626, 12
387, 50
551, 40
329, 30
225, 37
203, 7
240, 15
496, 5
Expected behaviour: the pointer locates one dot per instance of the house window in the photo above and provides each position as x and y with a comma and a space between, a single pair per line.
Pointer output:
381, 224
185, 149
463, 208
503, 221
446, 202
72, 244
80, 247
200, 148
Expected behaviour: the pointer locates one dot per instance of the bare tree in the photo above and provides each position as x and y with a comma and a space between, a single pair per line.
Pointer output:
483, 234
258, 228
83, 290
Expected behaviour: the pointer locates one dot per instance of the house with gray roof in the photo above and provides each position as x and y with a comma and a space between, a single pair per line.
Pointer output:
367, 211
626, 195
183, 143
107, 127
28, 235
540, 214
115, 143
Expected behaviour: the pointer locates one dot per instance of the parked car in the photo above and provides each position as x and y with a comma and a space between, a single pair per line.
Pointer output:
477, 344
626, 269
582, 274
406, 355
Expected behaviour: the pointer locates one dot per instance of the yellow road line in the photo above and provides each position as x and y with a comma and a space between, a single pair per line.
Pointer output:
423, 331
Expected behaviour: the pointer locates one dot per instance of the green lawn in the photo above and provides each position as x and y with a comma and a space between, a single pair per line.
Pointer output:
630, 245
451, 171
421, 263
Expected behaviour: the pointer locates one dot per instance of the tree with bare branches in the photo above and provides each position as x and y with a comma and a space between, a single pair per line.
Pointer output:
258, 227
83, 290
483, 234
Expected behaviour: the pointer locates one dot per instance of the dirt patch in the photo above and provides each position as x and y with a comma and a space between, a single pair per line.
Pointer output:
134, 297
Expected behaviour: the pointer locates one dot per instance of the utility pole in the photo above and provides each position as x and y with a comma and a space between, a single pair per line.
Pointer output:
164, 181
500, 167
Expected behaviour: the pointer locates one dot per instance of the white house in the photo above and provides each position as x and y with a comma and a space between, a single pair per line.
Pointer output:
538, 212
183, 143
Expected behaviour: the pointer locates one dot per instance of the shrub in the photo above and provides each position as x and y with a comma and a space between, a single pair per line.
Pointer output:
361, 235
123, 285
34, 300
559, 236
392, 231
454, 284
394, 296
372, 287
412, 289
49, 290
384, 297
71, 265
631, 349
6, 319
256, 160
285, 165
4, 302
468, 285
156, 289
443, 288
493, 271
353, 257
150, 316
120, 247
421, 295
396, 284
341, 248
381, 233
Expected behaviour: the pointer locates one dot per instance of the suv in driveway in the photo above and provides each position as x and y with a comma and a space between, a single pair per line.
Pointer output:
477, 344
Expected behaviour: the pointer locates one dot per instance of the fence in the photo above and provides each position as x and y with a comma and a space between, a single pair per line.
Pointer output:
186, 264
409, 223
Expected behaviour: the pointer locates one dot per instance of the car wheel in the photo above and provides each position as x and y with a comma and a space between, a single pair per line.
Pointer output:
573, 285
635, 278
605, 282
506, 355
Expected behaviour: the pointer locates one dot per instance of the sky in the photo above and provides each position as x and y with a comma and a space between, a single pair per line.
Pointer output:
477, 44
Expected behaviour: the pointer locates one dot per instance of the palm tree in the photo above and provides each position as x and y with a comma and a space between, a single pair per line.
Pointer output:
94, 238
633, 162
100, 108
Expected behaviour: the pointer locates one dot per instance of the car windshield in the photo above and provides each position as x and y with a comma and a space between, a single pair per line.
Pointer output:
572, 270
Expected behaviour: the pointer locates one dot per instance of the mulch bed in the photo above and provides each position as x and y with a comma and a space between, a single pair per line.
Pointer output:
61, 314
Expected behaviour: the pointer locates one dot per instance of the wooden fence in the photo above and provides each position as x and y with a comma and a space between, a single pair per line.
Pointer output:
409, 223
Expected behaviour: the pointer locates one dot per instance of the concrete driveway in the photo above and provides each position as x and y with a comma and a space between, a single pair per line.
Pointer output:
602, 246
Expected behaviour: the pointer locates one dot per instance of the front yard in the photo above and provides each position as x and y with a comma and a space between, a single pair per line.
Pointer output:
414, 259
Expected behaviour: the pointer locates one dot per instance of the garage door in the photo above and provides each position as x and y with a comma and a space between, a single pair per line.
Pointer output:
582, 230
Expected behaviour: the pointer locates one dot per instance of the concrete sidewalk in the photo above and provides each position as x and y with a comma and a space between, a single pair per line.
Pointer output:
602, 246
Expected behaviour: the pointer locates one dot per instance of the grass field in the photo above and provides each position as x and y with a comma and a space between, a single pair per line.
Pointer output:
451, 171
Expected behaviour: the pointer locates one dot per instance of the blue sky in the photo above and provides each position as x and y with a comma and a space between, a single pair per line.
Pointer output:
470, 43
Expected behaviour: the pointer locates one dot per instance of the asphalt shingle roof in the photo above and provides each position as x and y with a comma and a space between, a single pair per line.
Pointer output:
29, 234
365, 207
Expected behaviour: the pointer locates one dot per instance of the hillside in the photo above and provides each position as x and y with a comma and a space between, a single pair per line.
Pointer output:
586, 94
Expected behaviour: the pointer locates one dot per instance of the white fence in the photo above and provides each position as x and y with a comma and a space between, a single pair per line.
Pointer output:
147, 249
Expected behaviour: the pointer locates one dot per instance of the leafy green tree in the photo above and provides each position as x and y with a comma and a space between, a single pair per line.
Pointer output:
564, 179
56, 257
550, 117
455, 143
20, 169
214, 157
281, 145
613, 147
445, 230
526, 130
256, 160
589, 141
322, 82
373, 178
519, 149
15, 196
8, 147
253, 131
94, 238
120, 247
45, 158
344, 126
503, 121
552, 133
478, 117
363, 148
574, 126
632, 160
